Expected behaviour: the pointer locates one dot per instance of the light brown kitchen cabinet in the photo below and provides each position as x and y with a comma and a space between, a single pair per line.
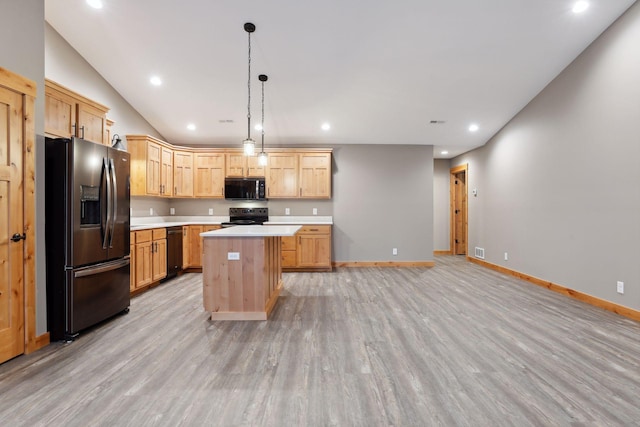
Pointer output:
315, 175
182, 173
192, 244
132, 261
209, 175
151, 166
148, 257
68, 114
282, 175
239, 166
143, 256
159, 254
308, 250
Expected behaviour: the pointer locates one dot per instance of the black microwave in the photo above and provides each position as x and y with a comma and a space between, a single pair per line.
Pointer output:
244, 189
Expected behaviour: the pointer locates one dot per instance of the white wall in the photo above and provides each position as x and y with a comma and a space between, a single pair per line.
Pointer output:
65, 66
559, 186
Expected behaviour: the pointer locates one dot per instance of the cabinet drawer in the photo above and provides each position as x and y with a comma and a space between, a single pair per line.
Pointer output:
311, 229
288, 258
143, 236
159, 233
289, 243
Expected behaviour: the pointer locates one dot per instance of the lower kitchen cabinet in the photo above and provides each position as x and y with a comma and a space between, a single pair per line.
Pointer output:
192, 244
309, 249
132, 261
148, 257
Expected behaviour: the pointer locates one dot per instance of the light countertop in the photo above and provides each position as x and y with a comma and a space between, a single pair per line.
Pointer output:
253, 231
145, 223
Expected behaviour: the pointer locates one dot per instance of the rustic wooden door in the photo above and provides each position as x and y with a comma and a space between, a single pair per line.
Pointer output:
12, 332
459, 210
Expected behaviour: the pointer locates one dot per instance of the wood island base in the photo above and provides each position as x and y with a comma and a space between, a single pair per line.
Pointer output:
242, 272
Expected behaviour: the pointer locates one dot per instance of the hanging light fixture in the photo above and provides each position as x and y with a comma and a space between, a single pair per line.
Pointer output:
248, 144
262, 157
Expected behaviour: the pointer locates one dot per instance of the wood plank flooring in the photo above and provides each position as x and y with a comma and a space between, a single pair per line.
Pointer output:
453, 345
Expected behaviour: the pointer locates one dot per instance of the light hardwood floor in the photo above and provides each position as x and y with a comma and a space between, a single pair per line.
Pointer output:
453, 345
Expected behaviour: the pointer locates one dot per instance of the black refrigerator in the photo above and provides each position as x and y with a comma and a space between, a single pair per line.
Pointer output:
87, 198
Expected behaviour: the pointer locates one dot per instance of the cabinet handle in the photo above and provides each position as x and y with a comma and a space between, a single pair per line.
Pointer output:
74, 126
313, 229
82, 129
175, 191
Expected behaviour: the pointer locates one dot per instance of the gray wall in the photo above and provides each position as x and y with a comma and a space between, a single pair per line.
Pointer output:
559, 186
22, 52
441, 195
382, 199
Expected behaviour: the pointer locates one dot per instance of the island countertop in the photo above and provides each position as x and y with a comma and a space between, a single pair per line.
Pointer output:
253, 231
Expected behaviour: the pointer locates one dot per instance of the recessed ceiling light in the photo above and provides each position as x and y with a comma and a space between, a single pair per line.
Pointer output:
325, 126
474, 127
444, 152
155, 80
191, 126
580, 6
96, 4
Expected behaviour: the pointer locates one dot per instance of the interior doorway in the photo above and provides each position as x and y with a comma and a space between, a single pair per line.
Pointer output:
458, 210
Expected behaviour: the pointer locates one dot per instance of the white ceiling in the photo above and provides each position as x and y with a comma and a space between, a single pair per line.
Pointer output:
378, 71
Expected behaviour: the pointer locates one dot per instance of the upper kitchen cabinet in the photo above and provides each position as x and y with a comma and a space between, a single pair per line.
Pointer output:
69, 114
282, 175
240, 166
182, 173
299, 174
209, 174
315, 175
151, 166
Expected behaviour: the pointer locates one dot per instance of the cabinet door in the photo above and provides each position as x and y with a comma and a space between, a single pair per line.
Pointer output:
315, 175
195, 246
254, 168
314, 250
132, 261
209, 175
59, 114
235, 165
159, 261
166, 172
282, 175
143, 264
186, 259
154, 156
92, 124
182, 174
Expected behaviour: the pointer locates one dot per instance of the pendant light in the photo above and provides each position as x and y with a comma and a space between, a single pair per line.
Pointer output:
248, 145
262, 157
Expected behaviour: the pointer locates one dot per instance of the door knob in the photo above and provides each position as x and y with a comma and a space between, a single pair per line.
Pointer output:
17, 237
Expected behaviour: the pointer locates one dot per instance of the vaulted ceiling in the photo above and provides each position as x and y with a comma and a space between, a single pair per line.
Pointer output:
378, 72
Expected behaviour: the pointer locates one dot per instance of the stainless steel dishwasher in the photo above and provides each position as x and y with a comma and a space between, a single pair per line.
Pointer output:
174, 251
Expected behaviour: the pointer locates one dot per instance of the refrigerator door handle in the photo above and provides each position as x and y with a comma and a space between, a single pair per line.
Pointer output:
101, 268
107, 176
113, 201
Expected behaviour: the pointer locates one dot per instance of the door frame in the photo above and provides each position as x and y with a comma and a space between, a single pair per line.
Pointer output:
28, 89
452, 222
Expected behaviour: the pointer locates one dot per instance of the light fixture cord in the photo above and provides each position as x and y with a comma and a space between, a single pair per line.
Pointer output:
249, 92
262, 124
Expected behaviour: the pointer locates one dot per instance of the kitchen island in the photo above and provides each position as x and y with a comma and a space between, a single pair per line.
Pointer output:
242, 270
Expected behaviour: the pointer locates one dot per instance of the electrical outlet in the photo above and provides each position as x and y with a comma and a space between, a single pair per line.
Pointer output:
210, 211
130, 211
287, 211
506, 256
395, 251
315, 211
151, 211
233, 256
172, 211
620, 287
